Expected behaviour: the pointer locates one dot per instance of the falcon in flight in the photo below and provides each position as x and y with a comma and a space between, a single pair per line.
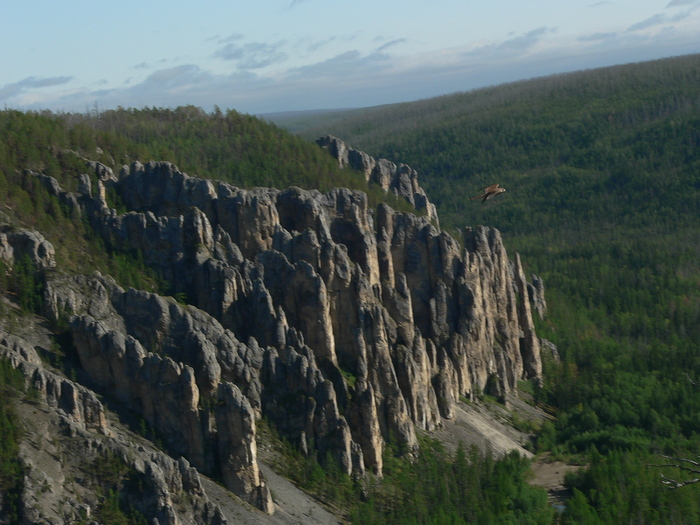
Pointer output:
489, 192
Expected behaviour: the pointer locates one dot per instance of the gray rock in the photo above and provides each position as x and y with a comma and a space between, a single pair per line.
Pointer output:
235, 421
15, 245
401, 180
535, 291
321, 290
80, 405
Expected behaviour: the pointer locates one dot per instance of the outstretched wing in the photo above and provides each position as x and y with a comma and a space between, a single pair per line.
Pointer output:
489, 192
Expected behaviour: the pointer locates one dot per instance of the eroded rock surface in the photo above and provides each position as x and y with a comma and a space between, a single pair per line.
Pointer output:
67, 432
351, 320
342, 325
401, 179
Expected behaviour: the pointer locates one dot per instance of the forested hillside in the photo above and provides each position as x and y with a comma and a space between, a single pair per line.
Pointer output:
45, 156
602, 169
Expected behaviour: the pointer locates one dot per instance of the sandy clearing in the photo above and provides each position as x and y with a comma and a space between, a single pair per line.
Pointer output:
550, 476
487, 426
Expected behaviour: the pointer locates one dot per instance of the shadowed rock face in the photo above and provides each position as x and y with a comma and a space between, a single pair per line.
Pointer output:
184, 386
343, 325
81, 418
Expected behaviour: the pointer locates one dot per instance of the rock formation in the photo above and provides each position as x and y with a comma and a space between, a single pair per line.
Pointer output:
180, 387
15, 245
401, 180
83, 436
342, 325
78, 404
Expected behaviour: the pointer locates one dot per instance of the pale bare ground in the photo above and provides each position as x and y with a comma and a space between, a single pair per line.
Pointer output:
485, 425
550, 476
489, 427
292, 505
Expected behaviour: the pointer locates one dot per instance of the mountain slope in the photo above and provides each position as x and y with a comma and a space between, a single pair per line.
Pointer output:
602, 169
351, 330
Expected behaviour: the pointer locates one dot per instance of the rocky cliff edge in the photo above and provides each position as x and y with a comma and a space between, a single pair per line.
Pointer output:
344, 326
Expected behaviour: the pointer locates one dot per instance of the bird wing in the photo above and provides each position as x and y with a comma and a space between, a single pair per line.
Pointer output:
489, 192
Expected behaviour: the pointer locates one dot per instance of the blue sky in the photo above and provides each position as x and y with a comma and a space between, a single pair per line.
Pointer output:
262, 56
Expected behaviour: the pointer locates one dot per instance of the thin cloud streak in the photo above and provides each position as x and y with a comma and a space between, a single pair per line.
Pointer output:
17, 88
253, 55
657, 20
516, 46
677, 3
391, 44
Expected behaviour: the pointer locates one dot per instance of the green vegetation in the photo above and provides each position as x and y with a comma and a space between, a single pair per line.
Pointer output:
25, 284
434, 488
11, 469
467, 488
620, 487
603, 175
114, 479
232, 147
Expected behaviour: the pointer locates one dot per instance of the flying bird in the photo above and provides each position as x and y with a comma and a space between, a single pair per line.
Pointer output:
489, 192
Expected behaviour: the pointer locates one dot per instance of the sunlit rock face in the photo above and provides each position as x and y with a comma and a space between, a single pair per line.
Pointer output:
401, 179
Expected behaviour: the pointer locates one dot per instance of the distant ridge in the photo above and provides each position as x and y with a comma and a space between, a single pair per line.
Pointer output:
428, 112
283, 115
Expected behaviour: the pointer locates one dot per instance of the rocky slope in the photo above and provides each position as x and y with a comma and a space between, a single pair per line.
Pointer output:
343, 326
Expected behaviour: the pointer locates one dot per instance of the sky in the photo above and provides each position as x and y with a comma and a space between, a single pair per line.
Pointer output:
267, 56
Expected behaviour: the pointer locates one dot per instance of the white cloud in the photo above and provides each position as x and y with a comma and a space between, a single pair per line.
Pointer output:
518, 45
253, 55
17, 88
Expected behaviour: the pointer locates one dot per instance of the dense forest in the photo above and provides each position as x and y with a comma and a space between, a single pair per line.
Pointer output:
602, 170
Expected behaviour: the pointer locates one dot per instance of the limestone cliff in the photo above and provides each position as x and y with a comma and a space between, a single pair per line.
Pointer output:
375, 315
343, 325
